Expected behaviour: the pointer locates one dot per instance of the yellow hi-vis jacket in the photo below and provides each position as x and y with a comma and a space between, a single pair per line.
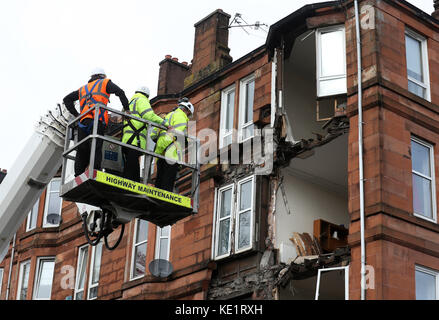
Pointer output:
167, 144
135, 132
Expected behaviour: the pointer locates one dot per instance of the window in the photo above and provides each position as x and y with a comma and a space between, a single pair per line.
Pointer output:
163, 243
417, 64
331, 61
424, 200
234, 218
53, 202
23, 280
32, 217
427, 284
224, 220
95, 269
140, 244
244, 215
81, 273
44, 278
227, 116
246, 101
1, 280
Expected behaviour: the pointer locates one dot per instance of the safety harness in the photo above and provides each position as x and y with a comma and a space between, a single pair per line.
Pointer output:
136, 133
89, 100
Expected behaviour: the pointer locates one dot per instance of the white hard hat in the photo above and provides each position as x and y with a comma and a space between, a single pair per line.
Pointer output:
97, 71
144, 90
188, 106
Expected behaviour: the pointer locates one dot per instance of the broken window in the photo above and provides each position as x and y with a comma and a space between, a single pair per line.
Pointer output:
423, 179
44, 278
234, 218
140, 245
246, 101
427, 284
331, 61
163, 243
417, 64
81, 270
227, 116
225, 197
333, 284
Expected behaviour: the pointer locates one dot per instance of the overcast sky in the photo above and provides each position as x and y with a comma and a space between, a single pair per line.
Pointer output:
49, 47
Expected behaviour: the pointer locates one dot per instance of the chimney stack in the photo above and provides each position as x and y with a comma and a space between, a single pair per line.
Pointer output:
171, 76
211, 51
435, 14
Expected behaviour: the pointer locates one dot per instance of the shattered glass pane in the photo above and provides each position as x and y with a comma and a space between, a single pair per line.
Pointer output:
244, 229
224, 229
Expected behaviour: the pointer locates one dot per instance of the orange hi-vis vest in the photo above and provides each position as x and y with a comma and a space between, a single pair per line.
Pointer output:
92, 93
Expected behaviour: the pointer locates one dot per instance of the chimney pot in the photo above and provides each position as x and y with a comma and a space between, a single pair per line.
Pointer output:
168, 56
175, 59
185, 63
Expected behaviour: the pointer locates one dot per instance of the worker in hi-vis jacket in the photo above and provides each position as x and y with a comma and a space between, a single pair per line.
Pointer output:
96, 92
135, 132
168, 146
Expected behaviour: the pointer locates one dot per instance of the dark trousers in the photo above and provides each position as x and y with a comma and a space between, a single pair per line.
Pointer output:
131, 168
166, 175
84, 150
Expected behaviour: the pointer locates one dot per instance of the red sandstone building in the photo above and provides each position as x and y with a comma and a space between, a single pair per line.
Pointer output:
269, 236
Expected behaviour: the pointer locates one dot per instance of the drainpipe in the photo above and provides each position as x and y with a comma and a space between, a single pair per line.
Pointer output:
10, 267
360, 153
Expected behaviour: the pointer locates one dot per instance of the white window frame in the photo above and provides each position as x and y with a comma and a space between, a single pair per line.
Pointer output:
20, 278
133, 251
425, 64
37, 279
217, 219
234, 222
238, 213
46, 207
346, 280
319, 60
224, 104
90, 272
78, 270
29, 227
2, 271
242, 107
430, 272
432, 179
159, 237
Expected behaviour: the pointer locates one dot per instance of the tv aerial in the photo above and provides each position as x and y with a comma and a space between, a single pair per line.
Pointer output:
239, 22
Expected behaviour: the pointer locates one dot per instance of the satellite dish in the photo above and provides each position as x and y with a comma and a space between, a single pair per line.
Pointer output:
161, 268
53, 218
